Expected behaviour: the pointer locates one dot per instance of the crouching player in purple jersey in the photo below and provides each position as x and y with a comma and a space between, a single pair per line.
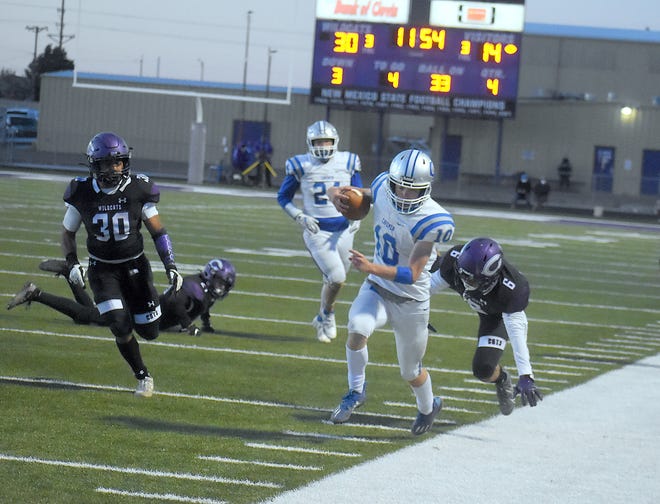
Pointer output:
499, 293
112, 204
408, 225
327, 234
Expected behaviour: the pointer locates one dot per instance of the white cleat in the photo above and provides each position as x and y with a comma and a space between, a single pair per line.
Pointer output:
145, 387
318, 324
329, 326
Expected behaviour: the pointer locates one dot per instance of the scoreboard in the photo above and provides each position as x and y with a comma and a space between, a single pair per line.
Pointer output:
453, 57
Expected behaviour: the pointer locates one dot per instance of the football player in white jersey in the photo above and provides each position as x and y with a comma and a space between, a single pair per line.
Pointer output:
407, 226
327, 234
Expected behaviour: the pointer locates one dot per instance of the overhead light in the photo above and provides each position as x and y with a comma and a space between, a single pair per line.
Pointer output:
626, 111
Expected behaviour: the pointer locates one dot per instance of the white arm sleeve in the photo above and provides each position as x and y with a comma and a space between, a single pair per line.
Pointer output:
72, 219
292, 210
516, 328
148, 211
437, 282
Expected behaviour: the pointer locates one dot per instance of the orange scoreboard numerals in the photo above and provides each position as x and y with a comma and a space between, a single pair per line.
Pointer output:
440, 83
494, 86
493, 51
337, 76
393, 78
346, 42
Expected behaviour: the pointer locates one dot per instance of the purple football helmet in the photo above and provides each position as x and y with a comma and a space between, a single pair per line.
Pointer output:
220, 277
103, 150
479, 264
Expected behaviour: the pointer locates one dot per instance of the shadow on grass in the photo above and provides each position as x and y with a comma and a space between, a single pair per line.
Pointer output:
244, 335
155, 425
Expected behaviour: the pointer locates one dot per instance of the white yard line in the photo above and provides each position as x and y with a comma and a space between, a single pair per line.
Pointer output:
137, 470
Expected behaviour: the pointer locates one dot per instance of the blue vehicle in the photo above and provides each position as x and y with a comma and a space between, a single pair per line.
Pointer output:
19, 125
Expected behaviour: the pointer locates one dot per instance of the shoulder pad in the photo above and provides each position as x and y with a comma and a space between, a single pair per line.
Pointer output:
73, 187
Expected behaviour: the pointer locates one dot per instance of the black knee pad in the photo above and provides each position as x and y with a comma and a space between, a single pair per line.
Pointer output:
147, 331
119, 322
485, 362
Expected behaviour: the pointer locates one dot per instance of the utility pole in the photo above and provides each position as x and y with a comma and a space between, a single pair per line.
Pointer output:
61, 37
36, 30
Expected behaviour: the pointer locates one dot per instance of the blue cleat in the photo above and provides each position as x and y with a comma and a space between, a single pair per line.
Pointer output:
424, 422
349, 402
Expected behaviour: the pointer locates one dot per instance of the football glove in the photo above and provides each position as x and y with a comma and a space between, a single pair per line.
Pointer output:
77, 275
307, 222
175, 278
529, 394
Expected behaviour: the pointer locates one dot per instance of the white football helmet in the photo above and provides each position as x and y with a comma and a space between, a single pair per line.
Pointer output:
322, 130
411, 169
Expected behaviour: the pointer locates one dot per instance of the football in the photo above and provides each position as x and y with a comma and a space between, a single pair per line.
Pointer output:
358, 205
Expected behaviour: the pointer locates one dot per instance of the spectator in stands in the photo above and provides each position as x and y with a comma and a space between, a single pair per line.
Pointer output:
565, 169
523, 191
541, 193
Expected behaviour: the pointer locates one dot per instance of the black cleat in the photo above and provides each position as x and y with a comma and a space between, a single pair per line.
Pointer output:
504, 391
27, 294
57, 266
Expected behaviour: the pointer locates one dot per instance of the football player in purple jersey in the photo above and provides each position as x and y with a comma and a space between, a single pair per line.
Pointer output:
195, 299
112, 204
499, 293
408, 224
327, 234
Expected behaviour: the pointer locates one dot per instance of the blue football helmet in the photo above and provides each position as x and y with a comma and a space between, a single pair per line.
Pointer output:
322, 130
220, 277
103, 150
479, 264
411, 169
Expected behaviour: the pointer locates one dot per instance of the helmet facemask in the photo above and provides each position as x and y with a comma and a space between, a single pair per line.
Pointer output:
104, 172
408, 205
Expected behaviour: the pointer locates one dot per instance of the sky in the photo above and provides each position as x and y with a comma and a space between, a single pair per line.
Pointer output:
207, 39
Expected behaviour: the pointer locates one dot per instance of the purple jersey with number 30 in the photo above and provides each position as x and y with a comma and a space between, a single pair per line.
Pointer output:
112, 221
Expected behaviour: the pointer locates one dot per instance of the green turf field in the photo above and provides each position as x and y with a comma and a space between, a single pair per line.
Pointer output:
241, 415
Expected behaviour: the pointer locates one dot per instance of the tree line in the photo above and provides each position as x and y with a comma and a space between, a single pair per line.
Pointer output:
28, 86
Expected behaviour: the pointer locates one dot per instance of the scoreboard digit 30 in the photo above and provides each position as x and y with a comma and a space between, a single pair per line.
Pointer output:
455, 57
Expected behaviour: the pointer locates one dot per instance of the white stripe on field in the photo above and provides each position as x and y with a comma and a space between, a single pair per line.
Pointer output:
340, 438
265, 446
444, 407
259, 463
133, 470
162, 497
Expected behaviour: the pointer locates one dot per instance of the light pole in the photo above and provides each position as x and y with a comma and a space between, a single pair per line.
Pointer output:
245, 64
270, 57
265, 133
201, 69
247, 46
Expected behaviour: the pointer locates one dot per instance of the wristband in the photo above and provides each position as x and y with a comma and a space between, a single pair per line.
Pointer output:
164, 248
403, 275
